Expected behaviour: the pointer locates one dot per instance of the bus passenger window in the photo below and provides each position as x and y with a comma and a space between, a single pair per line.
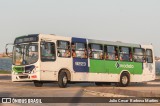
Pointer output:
63, 49
138, 55
125, 54
79, 50
48, 51
95, 51
149, 57
111, 52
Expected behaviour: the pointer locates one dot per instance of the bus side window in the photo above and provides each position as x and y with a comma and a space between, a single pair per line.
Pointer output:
149, 56
138, 55
63, 49
79, 50
95, 51
111, 52
48, 51
125, 54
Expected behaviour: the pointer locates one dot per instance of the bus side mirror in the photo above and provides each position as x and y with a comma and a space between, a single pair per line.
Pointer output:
7, 51
6, 48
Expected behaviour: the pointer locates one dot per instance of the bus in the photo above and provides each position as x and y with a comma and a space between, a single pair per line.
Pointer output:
42, 58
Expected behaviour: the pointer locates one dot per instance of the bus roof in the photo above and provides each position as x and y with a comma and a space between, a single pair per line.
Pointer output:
89, 40
27, 35
118, 43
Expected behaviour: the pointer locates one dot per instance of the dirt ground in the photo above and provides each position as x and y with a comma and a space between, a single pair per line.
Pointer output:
27, 89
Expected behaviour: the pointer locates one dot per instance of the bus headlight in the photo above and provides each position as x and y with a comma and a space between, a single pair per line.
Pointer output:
29, 69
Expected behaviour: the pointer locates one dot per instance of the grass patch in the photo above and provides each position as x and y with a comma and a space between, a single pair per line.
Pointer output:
5, 72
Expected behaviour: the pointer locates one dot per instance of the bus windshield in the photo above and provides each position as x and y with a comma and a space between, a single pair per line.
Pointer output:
25, 54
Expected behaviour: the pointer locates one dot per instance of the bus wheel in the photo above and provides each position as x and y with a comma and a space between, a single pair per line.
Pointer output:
38, 83
124, 80
98, 83
62, 80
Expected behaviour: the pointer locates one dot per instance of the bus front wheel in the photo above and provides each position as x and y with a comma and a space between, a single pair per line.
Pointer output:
62, 79
38, 83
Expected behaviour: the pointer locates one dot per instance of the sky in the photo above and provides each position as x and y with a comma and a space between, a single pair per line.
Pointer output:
130, 21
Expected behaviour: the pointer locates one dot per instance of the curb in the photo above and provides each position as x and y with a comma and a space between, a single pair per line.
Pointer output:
5, 74
5, 81
154, 83
104, 94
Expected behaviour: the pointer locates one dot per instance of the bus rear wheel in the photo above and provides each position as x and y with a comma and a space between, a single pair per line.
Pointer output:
124, 80
62, 79
38, 83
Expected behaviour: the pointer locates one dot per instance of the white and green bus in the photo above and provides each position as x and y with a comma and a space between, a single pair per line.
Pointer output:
41, 58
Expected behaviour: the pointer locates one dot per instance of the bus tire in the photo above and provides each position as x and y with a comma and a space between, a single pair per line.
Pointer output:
124, 80
62, 79
38, 83
98, 84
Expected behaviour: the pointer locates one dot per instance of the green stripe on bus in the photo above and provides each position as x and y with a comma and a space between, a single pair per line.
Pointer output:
114, 67
18, 69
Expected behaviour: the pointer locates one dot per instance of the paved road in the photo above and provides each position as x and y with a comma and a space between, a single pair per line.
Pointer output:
27, 89
5, 77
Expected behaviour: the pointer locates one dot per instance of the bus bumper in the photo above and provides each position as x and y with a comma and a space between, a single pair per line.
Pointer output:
24, 77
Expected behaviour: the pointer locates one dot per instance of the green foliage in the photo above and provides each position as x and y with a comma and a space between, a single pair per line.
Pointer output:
5, 72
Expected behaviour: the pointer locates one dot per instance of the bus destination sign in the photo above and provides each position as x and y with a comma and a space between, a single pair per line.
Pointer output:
26, 39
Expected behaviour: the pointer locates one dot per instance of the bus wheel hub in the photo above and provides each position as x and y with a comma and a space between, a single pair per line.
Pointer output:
124, 80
